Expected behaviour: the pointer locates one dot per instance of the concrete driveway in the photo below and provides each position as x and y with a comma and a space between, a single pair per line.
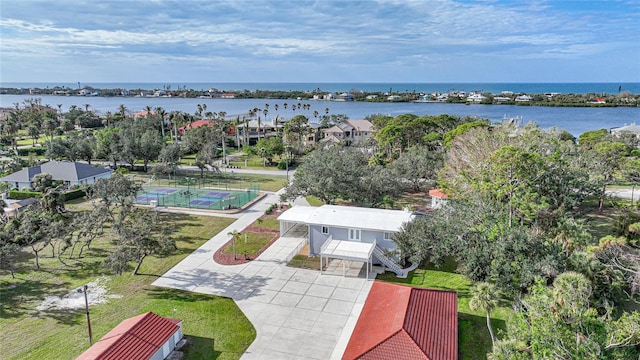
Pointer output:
297, 313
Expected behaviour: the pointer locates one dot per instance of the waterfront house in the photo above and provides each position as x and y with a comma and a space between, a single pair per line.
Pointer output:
627, 129
523, 98
147, 336
69, 172
350, 131
403, 322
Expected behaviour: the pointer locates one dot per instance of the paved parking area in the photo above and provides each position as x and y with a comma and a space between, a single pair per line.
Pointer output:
297, 313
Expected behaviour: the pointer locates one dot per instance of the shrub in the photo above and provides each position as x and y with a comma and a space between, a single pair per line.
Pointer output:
74, 194
21, 195
36, 151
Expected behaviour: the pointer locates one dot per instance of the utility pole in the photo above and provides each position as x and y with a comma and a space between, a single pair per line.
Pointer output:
86, 305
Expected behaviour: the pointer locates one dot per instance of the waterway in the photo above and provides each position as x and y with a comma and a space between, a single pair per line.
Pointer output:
576, 120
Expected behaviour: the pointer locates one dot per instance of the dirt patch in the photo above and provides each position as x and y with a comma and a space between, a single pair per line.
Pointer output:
96, 294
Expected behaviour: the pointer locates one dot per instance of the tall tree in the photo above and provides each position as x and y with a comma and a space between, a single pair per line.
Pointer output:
485, 297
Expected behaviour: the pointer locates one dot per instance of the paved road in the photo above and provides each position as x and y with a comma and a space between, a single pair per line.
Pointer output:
624, 194
297, 313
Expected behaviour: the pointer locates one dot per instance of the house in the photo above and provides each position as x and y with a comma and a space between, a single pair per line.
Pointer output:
350, 131
597, 100
628, 129
147, 336
403, 322
524, 98
71, 173
250, 131
193, 125
15, 207
476, 98
348, 233
438, 198
345, 97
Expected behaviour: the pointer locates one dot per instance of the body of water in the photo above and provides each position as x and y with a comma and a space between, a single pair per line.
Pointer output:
530, 88
575, 120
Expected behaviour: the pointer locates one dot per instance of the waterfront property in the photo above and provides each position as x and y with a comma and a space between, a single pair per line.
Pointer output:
70, 172
349, 132
627, 129
349, 233
402, 322
146, 336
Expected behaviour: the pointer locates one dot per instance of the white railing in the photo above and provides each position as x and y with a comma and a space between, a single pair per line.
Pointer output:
392, 265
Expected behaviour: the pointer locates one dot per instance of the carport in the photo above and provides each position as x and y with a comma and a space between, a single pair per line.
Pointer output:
295, 217
347, 250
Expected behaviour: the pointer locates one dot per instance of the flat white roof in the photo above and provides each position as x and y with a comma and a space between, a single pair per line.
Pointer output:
348, 217
347, 250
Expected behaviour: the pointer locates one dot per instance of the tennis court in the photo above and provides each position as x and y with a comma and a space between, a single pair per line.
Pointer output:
198, 198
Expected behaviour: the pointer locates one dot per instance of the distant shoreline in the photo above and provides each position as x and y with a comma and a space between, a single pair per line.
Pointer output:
624, 98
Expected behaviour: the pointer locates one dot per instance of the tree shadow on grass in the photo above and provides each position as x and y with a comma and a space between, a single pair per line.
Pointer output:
200, 348
21, 297
474, 341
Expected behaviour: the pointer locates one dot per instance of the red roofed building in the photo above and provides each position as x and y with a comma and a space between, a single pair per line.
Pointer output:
402, 322
146, 336
193, 125
438, 198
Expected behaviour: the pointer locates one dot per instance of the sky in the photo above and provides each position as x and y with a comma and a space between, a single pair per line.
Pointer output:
320, 41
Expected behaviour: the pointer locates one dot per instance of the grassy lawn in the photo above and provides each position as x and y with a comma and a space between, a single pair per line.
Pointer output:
254, 162
250, 244
314, 201
269, 223
474, 341
215, 325
305, 262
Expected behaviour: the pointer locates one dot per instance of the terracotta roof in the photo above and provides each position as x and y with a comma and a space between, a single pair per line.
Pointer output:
138, 337
438, 193
402, 322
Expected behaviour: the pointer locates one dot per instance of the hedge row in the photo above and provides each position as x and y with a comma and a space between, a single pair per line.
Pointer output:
74, 194
21, 195
37, 151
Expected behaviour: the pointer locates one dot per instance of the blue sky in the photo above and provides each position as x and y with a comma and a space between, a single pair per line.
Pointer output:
319, 41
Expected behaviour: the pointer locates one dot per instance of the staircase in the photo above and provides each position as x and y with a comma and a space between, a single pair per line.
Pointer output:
392, 265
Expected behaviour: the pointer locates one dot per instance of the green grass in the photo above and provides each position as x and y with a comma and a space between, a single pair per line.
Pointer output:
215, 325
269, 223
305, 262
254, 162
250, 245
474, 341
314, 201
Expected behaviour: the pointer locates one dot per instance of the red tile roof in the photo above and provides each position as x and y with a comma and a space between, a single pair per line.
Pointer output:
138, 337
402, 322
438, 193
195, 124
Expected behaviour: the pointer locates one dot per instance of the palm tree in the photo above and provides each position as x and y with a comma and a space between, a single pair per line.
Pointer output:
485, 296
235, 234
161, 113
315, 114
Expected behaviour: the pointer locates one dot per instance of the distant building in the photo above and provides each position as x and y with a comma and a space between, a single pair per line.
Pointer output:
438, 198
523, 98
349, 132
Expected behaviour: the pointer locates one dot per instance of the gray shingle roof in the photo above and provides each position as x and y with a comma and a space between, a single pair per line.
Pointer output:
59, 170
